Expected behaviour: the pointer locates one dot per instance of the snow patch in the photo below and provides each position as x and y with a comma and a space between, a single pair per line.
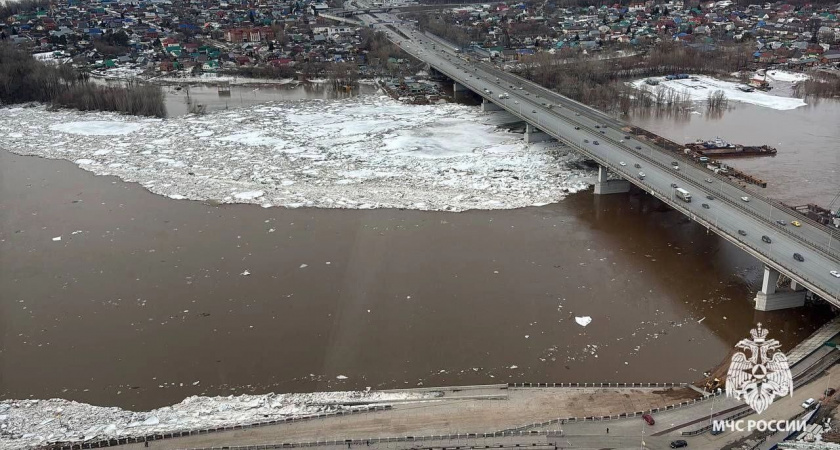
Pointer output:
699, 87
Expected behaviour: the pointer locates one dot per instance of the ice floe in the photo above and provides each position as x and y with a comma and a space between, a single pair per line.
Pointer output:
31, 423
361, 153
583, 321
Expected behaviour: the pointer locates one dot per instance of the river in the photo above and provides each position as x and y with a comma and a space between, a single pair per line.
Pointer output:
150, 295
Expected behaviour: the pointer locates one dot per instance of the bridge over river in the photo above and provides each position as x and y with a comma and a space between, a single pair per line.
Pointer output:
747, 220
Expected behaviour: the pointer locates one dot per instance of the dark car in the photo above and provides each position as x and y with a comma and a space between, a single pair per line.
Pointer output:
781, 222
626, 136
766, 239
679, 444
597, 126
710, 197
603, 132
716, 431
829, 392
577, 128
705, 205
638, 147
637, 165
674, 163
595, 142
742, 232
586, 141
674, 185
798, 257
649, 419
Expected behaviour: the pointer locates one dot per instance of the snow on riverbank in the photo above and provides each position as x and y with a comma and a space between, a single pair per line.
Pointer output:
30, 423
701, 86
363, 152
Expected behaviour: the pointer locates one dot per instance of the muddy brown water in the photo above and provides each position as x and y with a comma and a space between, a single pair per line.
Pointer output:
144, 296
806, 168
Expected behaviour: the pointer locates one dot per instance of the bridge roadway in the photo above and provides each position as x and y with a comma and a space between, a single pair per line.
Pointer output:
580, 126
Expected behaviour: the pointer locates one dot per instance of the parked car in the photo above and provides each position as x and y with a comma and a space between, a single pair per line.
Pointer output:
649, 419
742, 232
679, 444
798, 257
807, 404
746, 199
766, 239
796, 223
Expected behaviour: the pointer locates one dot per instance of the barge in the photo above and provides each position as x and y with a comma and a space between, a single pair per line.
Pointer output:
720, 148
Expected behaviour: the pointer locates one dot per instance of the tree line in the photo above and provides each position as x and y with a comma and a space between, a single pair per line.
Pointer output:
24, 79
601, 82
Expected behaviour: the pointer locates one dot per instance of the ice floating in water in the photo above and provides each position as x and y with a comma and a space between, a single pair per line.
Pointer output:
360, 153
583, 321
57, 238
32, 423
341, 377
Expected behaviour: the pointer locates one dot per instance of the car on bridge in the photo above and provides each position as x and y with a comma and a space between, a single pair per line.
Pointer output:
834, 273
679, 444
798, 257
708, 180
595, 142
637, 165
641, 175
745, 198
781, 223
796, 223
766, 239
742, 232
622, 163
649, 419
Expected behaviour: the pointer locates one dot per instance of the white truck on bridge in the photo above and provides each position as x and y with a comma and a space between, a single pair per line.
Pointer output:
683, 195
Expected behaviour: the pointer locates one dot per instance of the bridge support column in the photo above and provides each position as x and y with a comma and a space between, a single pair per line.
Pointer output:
605, 186
458, 87
487, 105
769, 299
533, 134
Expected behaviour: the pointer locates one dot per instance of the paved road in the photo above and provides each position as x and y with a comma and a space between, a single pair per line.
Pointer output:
581, 127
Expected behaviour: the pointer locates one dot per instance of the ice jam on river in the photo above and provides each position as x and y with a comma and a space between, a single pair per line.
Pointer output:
30, 423
363, 152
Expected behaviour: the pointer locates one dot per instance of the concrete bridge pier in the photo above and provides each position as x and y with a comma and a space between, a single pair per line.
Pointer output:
458, 87
605, 186
771, 299
487, 105
534, 134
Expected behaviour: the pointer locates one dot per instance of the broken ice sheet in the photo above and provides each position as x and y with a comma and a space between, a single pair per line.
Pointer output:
583, 321
344, 153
